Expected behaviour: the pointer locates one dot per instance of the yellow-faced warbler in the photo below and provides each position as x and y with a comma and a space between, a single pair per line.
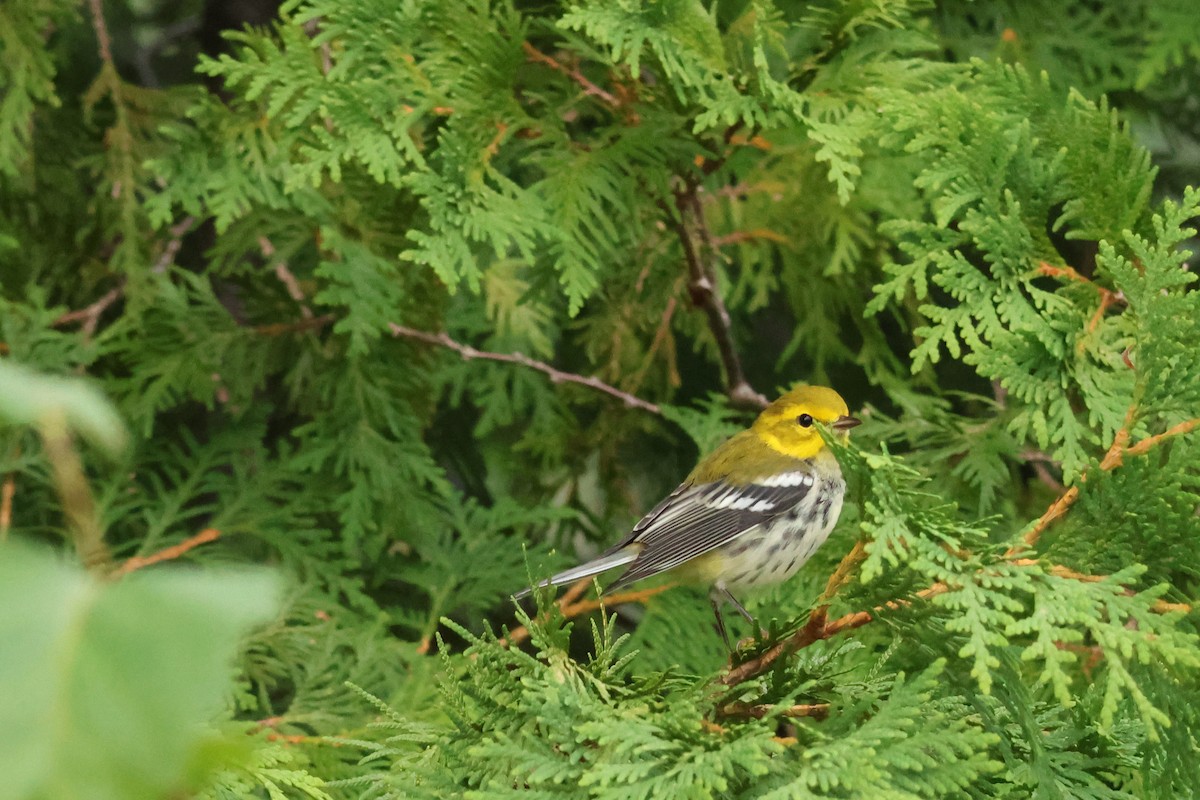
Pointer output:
750, 513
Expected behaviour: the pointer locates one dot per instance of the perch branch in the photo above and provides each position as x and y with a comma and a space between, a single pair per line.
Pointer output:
818, 629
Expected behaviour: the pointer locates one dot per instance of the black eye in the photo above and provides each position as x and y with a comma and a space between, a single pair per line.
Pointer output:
804, 421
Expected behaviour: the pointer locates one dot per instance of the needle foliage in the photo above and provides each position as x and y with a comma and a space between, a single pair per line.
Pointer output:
409, 303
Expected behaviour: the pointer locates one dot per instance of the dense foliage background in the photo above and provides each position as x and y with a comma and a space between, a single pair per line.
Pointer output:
373, 310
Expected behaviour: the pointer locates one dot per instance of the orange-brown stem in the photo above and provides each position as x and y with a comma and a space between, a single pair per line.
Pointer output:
168, 553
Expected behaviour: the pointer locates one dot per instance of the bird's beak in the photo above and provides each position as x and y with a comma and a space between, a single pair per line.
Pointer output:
845, 423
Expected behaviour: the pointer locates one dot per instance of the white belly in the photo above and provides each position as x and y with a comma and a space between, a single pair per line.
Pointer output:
775, 551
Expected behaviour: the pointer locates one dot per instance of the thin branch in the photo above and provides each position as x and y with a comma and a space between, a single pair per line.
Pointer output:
102, 37
570, 608
761, 710
1114, 457
1108, 297
8, 490
700, 252
90, 315
573, 593
1044, 475
818, 629
285, 276
556, 376
280, 328
574, 73
178, 231
168, 553
737, 237
661, 337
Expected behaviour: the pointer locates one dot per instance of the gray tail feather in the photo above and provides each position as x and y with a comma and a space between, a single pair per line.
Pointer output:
593, 567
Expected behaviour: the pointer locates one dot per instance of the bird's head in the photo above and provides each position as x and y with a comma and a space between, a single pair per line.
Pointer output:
790, 424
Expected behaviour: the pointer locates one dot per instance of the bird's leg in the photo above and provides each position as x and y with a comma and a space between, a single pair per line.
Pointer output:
721, 593
715, 599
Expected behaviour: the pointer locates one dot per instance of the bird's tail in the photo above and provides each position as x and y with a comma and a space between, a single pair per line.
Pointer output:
593, 567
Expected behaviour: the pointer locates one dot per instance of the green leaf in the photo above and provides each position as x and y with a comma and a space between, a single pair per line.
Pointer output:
107, 686
28, 397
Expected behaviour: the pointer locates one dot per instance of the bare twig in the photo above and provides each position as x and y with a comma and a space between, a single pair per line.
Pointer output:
167, 553
1108, 297
572, 608
556, 376
760, 710
1043, 474
178, 231
818, 629
280, 328
700, 252
90, 315
661, 337
737, 237
285, 276
574, 73
1114, 457
102, 37
8, 490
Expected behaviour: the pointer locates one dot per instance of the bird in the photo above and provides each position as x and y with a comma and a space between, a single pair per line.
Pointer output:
750, 514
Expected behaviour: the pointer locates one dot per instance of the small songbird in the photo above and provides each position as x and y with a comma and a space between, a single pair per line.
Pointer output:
750, 513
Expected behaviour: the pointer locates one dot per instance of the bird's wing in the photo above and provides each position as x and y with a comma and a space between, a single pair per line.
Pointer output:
696, 519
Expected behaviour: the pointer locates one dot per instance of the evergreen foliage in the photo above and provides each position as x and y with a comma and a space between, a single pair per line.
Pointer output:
415, 302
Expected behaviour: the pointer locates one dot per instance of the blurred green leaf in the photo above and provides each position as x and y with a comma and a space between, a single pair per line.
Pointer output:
27, 397
107, 686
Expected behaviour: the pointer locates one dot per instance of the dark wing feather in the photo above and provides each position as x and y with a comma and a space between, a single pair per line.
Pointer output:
696, 519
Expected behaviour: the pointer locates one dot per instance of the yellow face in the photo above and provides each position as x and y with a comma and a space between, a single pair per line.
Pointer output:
789, 425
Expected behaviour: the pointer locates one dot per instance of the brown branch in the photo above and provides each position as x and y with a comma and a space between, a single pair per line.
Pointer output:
1113, 458
737, 237
574, 73
1108, 297
90, 315
521, 632
661, 335
280, 328
845, 569
818, 629
7, 491
1043, 474
178, 231
102, 37
570, 608
285, 276
556, 376
760, 710
166, 554
701, 253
